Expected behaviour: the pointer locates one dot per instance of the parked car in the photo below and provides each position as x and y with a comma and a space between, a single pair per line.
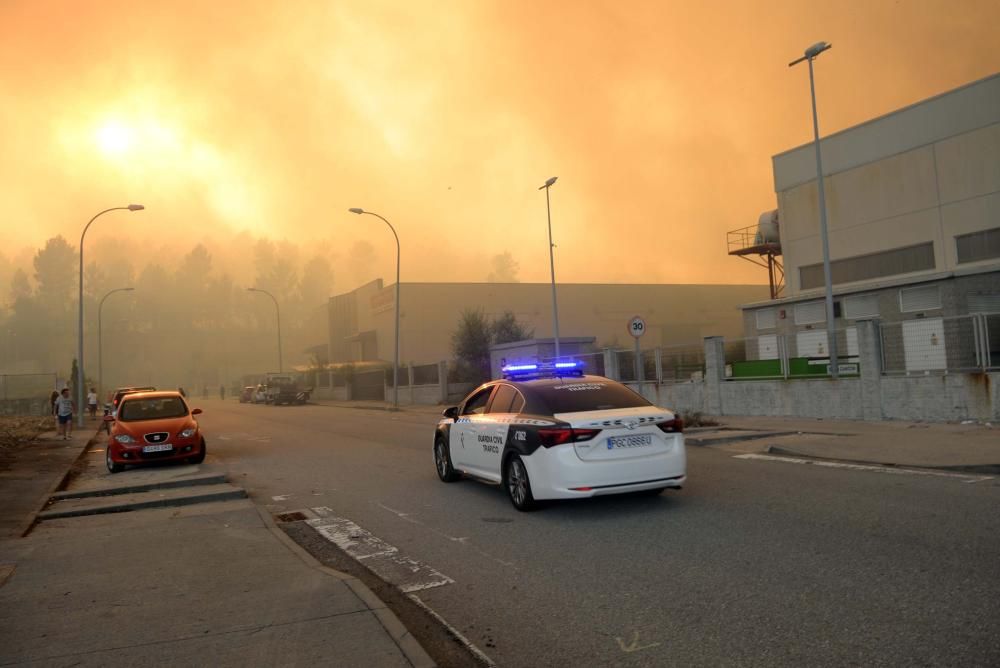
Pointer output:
153, 426
554, 433
246, 394
122, 391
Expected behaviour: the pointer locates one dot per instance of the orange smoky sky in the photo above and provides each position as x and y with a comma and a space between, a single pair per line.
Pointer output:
658, 117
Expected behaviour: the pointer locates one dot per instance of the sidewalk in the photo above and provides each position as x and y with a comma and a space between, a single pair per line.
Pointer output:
35, 472
915, 444
208, 584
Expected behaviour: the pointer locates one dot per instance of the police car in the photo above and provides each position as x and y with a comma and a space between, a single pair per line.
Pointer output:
551, 432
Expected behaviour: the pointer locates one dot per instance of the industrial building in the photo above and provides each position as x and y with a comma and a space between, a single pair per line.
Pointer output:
913, 206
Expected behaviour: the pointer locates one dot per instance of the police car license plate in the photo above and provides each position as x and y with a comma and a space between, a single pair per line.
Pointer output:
159, 447
637, 441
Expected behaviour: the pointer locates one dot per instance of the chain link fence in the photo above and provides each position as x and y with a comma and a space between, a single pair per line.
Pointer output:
967, 343
27, 385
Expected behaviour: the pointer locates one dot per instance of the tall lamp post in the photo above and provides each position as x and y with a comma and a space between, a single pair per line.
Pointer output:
100, 341
395, 360
810, 54
79, 353
552, 261
277, 311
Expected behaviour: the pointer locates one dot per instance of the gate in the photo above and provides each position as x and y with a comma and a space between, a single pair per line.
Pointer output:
369, 386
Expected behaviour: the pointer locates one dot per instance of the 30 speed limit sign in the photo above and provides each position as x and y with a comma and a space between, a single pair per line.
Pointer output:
637, 326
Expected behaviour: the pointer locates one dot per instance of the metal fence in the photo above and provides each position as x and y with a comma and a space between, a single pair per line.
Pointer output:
923, 346
425, 374
669, 364
804, 354
27, 385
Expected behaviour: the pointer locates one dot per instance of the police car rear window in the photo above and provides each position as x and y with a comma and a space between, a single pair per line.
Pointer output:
589, 396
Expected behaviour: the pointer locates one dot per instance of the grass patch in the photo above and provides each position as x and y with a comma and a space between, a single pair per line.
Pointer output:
16, 431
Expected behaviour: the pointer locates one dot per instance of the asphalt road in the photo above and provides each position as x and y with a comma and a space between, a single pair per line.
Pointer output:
753, 563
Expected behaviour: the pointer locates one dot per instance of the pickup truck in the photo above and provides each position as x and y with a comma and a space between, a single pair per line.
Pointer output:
283, 389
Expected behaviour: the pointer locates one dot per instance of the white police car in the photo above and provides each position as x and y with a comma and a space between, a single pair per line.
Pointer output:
554, 433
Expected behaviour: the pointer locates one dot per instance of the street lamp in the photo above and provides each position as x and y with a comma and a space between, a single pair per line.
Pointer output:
278, 312
809, 55
552, 262
79, 354
100, 344
395, 361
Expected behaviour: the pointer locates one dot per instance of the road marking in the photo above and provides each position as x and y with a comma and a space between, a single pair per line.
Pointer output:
465, 642
455, 539
634, 646
281, 497
243, 436
964, 477
381, 558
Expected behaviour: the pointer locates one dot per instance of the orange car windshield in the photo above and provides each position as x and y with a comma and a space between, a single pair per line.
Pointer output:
135, 410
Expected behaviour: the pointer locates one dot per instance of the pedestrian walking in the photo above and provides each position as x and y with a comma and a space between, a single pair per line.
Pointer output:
222, 392
92, 403
64, 414
52, 407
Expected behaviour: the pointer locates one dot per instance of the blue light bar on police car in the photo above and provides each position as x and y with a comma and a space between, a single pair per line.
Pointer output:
521, 367
528, 371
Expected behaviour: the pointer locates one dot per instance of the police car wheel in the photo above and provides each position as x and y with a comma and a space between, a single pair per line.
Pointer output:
518, 485
442, 462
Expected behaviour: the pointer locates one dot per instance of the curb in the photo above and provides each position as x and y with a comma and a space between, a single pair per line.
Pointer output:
719, 440
142, 487
228, 495
408, 645
32, 519
983, 469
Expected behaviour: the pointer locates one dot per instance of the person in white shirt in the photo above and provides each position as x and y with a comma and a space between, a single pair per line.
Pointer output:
92, 403
64, 413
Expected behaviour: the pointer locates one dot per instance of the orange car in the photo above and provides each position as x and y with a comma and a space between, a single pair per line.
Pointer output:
154, 426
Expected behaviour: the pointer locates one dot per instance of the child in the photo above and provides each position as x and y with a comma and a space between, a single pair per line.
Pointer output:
64, 414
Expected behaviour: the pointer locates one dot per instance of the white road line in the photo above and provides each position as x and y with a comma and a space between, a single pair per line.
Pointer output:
383, 559
463, 540
476, 652
964, 477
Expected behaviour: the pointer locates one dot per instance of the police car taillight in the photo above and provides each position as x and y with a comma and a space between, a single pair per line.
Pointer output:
672, 426
551, 437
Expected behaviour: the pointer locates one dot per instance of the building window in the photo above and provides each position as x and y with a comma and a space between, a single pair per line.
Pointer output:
989, 303
866, 267
860, 306
810, 313
924, 298
978, 246
766, 319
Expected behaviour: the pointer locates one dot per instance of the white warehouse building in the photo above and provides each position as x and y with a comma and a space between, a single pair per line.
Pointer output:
913, 211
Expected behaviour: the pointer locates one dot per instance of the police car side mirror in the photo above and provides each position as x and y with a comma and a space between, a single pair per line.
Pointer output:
450, 412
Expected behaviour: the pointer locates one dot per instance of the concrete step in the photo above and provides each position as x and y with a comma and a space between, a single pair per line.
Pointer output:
154, 498
143, 486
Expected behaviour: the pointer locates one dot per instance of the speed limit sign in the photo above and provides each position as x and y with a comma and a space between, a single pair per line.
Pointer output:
637, 326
